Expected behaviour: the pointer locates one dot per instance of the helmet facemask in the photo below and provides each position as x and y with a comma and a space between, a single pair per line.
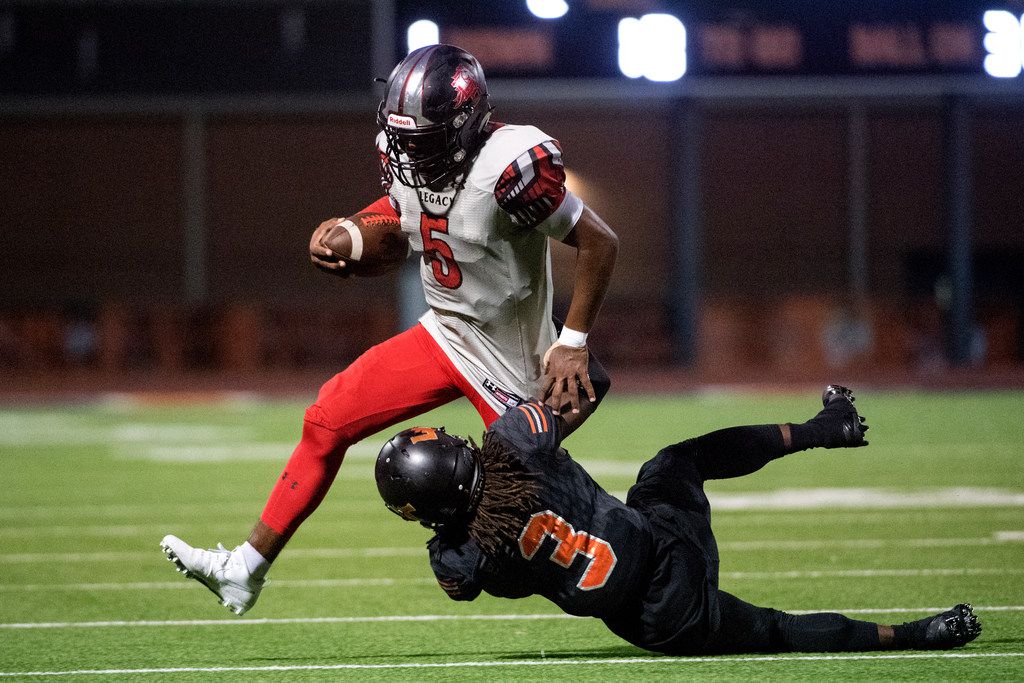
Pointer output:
434, 115
433, 155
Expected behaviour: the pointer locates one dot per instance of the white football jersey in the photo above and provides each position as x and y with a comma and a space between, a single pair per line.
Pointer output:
485, 261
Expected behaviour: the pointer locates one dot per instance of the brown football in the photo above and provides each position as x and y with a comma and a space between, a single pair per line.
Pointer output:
370, 243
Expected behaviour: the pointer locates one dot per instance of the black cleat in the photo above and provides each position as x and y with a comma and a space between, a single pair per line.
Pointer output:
835, 392
952, 628
842, 427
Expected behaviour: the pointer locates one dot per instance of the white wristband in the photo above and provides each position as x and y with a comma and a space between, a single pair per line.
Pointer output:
570, 337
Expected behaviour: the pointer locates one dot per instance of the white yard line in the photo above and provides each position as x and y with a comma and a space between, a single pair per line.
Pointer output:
873, 508
65, 511
160, 529
674, 661
200, 453
872, 573
853, 499
285, 620
818, 544
423, 618
866, 498
228, 451
100, 530
177, 585
117, 556
849, 518
999, 538
379, 581
60, 430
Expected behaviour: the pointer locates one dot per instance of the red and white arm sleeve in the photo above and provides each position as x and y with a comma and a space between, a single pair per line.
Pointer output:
384, 205
532, 191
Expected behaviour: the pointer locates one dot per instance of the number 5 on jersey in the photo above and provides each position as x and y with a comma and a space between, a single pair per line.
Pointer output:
570, 542
442, 260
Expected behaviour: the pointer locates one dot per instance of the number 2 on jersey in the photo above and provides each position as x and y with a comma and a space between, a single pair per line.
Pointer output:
442, 260
570, 542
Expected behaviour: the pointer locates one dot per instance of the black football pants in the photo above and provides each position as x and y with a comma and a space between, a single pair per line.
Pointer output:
742, 627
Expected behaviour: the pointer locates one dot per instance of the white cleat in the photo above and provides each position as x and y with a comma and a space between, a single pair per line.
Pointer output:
221, 570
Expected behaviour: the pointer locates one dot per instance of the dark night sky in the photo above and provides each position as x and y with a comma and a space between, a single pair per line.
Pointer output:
214, 46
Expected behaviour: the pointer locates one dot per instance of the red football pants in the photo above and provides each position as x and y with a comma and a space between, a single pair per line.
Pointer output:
400, 378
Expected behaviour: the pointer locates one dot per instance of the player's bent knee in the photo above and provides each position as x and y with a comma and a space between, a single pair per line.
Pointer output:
319, 433
336, 409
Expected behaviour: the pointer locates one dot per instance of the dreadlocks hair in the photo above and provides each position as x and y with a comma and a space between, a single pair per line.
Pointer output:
510, 496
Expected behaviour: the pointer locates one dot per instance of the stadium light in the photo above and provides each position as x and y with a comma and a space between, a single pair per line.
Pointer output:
422, 33
1004, 44
547, 9
652, 47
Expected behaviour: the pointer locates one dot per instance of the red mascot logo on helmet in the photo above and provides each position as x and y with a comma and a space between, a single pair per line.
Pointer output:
466, 87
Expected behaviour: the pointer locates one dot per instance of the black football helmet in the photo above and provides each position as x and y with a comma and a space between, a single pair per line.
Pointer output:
426, 475
434, 114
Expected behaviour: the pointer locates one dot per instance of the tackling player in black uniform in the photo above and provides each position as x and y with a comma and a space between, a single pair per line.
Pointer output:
519, 517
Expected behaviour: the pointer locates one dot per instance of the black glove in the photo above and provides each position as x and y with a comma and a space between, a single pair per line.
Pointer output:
837, 425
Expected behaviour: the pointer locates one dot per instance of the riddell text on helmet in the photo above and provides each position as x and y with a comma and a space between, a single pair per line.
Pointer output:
399, 121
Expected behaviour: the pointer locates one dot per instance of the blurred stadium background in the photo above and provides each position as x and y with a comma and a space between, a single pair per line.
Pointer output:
805, 192
800, 190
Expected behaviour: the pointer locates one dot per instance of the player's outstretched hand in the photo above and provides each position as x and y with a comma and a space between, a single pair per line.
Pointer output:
565, 371
320, 255
840, 424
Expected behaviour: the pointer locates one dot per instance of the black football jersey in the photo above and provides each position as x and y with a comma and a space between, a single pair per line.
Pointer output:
582, 548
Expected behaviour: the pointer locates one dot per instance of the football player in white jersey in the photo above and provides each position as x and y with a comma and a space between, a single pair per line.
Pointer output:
479, 201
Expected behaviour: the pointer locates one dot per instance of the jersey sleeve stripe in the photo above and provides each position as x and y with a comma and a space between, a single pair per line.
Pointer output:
533, 186
533, 414
538, 415
533, 426
543, 418
529, 172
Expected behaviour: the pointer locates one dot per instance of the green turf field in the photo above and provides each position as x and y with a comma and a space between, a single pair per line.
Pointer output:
930, 514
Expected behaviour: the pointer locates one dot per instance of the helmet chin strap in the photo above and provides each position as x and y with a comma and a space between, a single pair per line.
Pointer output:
458, 174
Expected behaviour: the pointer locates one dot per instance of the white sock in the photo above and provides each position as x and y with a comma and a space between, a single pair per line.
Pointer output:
254, 562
